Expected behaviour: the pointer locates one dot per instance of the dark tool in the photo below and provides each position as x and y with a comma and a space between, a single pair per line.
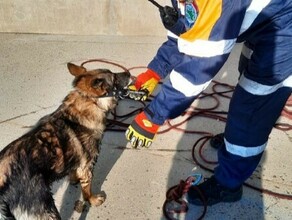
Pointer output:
170, 18
156, 4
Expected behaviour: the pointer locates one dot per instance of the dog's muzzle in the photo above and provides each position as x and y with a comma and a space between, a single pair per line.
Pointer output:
127, 93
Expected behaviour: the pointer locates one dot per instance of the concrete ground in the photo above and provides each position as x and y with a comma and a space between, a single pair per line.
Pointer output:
34, 80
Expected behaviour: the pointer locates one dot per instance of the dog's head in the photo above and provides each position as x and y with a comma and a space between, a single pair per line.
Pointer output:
98, 82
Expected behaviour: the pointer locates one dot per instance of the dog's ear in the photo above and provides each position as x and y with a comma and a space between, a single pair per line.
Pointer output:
76, 70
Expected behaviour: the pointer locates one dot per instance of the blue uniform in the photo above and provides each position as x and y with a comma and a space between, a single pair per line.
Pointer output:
192, 58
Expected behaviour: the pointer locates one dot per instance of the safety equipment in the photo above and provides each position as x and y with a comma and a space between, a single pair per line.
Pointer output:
141, 132
145, 82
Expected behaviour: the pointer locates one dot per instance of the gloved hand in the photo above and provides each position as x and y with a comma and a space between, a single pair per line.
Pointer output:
169, 16
141, 132
145, 81
171, 20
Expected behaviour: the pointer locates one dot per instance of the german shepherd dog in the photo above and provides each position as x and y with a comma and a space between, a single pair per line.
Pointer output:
63, 143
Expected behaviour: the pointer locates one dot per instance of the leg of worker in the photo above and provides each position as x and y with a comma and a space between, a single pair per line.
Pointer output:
250, 121
249, 124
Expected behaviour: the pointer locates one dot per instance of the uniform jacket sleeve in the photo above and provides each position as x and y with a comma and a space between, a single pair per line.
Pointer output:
189, 62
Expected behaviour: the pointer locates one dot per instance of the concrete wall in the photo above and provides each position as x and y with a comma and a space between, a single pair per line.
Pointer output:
81, 17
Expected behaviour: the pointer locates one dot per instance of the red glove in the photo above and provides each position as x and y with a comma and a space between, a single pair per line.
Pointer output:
141, 132
146, 81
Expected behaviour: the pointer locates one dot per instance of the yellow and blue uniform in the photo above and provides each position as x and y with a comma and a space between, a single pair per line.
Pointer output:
192, 58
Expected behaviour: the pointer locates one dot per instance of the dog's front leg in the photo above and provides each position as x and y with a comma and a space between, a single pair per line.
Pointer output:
73, 178
85, 177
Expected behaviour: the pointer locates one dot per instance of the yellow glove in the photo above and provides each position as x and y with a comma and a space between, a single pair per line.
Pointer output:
141, 132
145, 81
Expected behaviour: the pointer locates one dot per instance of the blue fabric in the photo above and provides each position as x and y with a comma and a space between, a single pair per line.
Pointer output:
159, 110
270, 37
246, 126
166, 59
228, 26
251, 118
179, 27
174, 4
170, 103
234, 170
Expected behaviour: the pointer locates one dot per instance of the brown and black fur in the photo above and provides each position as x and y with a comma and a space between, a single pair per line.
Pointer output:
63, 143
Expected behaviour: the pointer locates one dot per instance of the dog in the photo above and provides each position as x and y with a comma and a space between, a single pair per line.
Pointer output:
64, 143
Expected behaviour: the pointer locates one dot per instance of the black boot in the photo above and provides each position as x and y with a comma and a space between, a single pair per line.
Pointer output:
217, 141
213, 193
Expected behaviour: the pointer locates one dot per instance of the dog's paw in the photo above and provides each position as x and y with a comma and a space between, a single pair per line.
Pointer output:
96, 200
79, 206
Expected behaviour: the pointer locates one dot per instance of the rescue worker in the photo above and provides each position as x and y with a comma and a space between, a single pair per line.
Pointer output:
201, 35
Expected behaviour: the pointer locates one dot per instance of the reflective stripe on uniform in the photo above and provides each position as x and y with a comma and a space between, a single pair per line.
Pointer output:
181, 7
256, 88
184, 86
244, 151
252, 12
196, 41
205, 48
246, 52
